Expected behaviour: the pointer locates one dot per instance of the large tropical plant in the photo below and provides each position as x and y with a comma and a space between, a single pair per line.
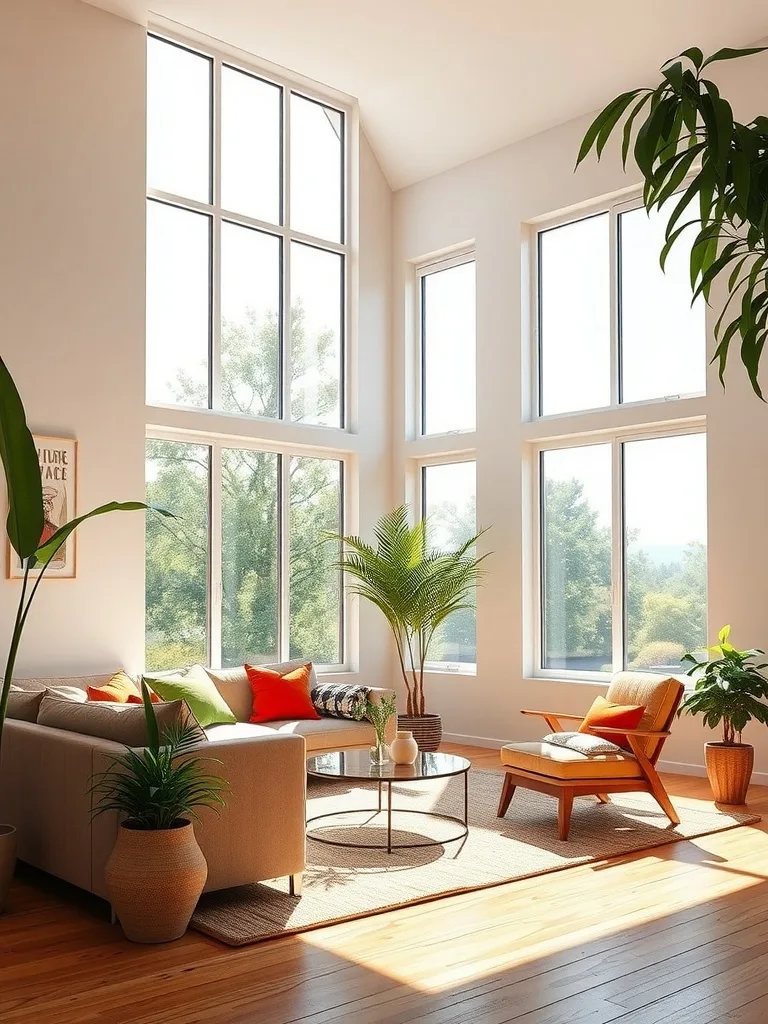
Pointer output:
730, 688
25, 520
415, 588
713, 171
155, 787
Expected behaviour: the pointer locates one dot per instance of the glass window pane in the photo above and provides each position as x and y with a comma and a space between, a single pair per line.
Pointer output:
317, 169
574, 316
317, 286
665, 511
250, 321
250, 145
178, 120
177, 555
663, 337
315, 588
178, 305
249, 556
448, 349
450, 507
576, 558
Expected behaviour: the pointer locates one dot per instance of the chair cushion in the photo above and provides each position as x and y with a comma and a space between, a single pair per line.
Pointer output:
561, 763
655, 692
582, 742
614, 716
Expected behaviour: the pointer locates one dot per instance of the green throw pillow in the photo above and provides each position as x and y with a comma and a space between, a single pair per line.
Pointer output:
196, 687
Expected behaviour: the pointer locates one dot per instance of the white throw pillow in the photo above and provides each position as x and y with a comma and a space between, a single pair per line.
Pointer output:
583, 743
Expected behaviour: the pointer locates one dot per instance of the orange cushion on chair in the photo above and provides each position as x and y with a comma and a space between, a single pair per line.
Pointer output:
278, 696
120, 689
615, 716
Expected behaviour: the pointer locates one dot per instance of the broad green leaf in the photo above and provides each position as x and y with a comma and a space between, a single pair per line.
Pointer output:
728, 53
724, 633
694, 55
153, 733
46, 551
22, 470
627, 134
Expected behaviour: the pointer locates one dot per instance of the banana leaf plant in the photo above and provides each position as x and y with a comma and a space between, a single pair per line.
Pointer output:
25, 520
713, 171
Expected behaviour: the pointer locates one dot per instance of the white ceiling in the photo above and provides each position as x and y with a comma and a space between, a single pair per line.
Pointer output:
442, 81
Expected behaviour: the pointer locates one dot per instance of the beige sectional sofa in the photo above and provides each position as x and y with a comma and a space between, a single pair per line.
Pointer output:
260, 834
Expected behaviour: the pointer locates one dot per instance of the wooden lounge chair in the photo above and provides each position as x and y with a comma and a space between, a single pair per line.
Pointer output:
566, 774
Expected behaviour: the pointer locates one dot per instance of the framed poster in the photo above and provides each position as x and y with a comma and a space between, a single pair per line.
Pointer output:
58, 470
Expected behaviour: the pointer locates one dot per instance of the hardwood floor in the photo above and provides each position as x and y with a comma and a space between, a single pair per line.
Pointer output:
676, 934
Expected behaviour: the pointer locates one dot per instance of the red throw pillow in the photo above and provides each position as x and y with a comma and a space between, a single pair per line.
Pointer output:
615, 716
279, 696
120, 689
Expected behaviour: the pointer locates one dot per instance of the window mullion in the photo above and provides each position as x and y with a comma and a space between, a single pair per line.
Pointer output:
216, 241
285, 312
614, 256
215, 590
284, 555
617, 557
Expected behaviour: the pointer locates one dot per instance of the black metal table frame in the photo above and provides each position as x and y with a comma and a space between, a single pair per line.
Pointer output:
389, 846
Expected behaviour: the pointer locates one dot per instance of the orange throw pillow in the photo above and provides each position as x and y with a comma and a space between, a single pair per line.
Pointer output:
615, 716
120, 689
279, 696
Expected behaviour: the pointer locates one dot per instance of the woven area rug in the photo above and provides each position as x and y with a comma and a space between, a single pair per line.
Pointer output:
340, 884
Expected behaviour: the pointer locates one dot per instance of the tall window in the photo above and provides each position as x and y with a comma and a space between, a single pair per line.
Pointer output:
449, 503
246, 245
247, 299
621, 506
447, 304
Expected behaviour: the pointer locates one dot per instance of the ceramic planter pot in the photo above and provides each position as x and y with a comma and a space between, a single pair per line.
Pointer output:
427, 729
154, 880
7, 861
729, 769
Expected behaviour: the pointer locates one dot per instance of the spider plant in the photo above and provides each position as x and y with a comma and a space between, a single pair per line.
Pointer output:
415, 589
731, 689
155, 787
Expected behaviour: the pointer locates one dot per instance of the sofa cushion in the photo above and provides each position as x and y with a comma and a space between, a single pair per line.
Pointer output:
64, 683
561, 763
278, 696
24, 705
319, 734
341, 700
123, 723
233, 685
198, 690
120, 689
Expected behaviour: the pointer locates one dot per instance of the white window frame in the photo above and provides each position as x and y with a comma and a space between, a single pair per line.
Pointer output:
284, 232
453, 667
424, 268
613, 208
218, 429
616, 439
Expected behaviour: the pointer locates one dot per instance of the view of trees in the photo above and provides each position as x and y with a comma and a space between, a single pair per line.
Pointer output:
665, 601
178, 478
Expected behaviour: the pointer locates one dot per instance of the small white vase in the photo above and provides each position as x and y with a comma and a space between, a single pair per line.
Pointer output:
404, 749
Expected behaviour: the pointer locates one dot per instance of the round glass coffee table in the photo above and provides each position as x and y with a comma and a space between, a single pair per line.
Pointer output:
356, 764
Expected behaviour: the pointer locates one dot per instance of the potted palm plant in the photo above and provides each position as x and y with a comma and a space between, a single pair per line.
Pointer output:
416, 590
156, 871
730, 690
25, 526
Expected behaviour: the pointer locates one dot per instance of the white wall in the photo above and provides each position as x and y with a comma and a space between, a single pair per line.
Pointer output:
72, 117
489, 200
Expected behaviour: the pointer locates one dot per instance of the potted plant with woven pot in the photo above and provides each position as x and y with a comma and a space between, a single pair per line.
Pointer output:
156, 871
732, 690
25, 528
416, 588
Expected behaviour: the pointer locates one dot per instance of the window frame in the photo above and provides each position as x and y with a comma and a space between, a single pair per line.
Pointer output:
616, 438
423, 269
454, 668
217, 214
613, 207
214, 574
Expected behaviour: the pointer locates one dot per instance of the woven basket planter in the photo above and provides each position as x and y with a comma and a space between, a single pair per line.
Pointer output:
154, 880
427, 729
729, 769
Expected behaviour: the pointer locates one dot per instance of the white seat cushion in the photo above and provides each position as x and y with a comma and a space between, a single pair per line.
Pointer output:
319, 734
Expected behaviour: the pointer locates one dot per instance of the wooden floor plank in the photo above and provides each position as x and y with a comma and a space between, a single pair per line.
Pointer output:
663, 935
